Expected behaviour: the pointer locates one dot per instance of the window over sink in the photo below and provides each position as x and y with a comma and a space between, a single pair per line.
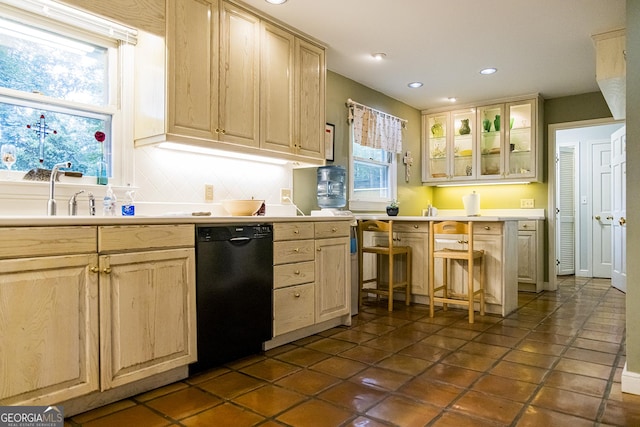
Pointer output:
62, 80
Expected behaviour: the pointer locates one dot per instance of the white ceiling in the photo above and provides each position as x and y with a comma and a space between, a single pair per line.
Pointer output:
538, 46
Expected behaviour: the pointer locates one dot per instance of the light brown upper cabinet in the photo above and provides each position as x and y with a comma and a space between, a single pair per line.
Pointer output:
493, 141
235, 81
292, 94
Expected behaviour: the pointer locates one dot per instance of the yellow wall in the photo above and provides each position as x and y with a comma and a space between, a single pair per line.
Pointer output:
492, 196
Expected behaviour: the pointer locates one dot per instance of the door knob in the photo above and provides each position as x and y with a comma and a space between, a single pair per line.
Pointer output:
609, 217
597, 217
622, 221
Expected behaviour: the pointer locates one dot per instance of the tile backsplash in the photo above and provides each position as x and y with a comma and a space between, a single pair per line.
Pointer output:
175, 176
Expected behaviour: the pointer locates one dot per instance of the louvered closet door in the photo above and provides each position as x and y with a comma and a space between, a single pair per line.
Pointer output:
566, 217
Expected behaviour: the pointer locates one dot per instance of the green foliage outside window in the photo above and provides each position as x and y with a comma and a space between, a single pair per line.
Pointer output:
71, 78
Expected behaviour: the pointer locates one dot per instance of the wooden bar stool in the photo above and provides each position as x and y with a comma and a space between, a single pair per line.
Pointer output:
390, 250
465, 231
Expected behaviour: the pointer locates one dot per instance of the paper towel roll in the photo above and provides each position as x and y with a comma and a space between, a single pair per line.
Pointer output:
471, 204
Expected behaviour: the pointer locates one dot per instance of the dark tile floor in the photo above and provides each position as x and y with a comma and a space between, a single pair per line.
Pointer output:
557, 361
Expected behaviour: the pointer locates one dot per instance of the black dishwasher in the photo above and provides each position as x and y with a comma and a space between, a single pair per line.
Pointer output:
234, 284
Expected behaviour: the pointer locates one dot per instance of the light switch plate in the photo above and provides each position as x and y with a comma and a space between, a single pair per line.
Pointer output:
526, 203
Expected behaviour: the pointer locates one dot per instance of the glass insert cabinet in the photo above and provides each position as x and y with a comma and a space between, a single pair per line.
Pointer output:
490, 142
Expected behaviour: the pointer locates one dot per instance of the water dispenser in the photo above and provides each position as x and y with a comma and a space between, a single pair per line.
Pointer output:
331, 190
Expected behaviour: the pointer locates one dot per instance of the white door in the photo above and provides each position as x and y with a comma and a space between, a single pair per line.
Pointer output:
601, 209
565, 214
619, 209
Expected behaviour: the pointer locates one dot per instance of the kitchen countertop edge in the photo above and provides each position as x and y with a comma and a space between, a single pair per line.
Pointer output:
35, 221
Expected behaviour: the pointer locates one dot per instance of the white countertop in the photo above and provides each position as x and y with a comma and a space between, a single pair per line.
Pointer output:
34, 221
486, 215
386, 217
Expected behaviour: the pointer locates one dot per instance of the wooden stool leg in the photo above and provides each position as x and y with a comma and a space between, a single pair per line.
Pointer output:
445, 281
482, 285
390, 308
470, 298
431, 282
408, 288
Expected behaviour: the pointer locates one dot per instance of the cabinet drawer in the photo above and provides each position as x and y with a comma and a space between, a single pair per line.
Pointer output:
293, 251
293, 274
487, 228
292, 231
411, 227
331, 229
529, 225
136, 237
293, 308
38, 241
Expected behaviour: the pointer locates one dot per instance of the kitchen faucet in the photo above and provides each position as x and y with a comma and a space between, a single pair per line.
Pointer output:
73, 204
51, 205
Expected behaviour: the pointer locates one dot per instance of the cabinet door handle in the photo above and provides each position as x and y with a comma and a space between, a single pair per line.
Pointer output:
318, 249
224, 131
609, 217
297, 295
217, 130
622, 221
94, 269
106, 270
597, 217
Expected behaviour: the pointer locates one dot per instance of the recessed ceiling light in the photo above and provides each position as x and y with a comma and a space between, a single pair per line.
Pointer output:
452, 99
488, 70
276, 1
415, 84
378, 56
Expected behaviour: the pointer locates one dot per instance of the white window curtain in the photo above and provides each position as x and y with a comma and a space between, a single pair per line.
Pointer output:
375, 129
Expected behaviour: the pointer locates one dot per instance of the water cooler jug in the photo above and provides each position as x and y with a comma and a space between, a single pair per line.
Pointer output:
331, 187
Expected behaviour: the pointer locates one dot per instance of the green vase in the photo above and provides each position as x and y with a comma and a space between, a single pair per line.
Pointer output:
464, 127
496, 123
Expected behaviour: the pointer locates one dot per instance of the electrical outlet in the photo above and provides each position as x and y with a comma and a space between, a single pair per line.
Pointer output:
208, 192
526, 203
285, 196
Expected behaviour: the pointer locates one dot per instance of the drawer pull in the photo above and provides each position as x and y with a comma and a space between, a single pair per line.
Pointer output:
296, 250
333, 229
486, 227
525, 226
415, 225
297, 272
297, 295
296, 231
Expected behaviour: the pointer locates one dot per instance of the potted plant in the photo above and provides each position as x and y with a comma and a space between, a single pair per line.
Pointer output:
393, 208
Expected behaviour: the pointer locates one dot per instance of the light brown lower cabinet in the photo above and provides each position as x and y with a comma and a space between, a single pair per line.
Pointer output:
311, 278
74, 323
48, 315
147, 314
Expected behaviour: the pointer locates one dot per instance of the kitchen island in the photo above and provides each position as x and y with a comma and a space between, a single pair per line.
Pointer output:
496, 234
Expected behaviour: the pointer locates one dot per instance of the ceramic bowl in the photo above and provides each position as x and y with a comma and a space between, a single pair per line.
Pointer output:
242, 207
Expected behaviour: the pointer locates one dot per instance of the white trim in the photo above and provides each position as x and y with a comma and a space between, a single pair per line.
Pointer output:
76, 18
630, 381
551, 186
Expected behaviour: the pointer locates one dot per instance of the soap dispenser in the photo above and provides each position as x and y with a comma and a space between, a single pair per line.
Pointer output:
109, 202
